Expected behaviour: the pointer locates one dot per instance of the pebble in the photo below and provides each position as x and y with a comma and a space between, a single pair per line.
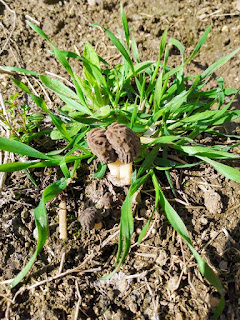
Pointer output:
35, 233
225, 29
223, 265
203, 221
238, 5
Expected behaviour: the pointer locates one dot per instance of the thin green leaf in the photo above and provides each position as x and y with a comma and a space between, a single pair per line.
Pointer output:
118, 45
16, 69
227, 171
218, 64
100, 171
38, 30
41, 220
58, 87
21, 148
180, 47
125, 25
199, 44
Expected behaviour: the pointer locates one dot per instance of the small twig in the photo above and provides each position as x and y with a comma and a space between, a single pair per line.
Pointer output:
32, 19
78, 302
62, 261
8, 299
13, 25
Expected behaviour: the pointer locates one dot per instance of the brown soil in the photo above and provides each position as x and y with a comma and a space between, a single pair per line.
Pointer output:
159, 279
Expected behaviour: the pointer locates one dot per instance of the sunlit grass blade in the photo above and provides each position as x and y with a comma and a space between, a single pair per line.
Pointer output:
161, 49
218, 64
227, 171
199, 44
41, 220
147, 163
205, 152
180, 227
118, 45
21, 148
135, 49
20, 70
125, 25
76, 105
180, 47
58, 87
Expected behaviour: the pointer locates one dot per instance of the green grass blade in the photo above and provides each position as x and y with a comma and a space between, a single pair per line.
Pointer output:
161, 49
74, 104
147, 163
60, 125
227, 171
158, 93
125, 25
180, 47
41, 220
135, 49
38, 30
199, 45
157, 198
180, 227
62, 59
118, 45
100, 171
218, 64
205, 152
21, 148
16, 69
58, 87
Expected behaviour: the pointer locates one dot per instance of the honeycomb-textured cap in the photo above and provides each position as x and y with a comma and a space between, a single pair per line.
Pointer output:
100, 145
124, 141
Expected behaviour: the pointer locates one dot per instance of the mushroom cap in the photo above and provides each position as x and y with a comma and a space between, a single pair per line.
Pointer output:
124, 141
100, 145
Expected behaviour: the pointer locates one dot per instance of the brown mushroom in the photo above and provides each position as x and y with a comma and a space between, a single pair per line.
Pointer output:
127, 146
100, 146
118, 146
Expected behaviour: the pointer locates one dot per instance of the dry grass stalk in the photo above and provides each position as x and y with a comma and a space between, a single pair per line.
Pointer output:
62, 214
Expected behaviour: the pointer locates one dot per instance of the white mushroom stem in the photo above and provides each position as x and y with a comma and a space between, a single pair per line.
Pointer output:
121, 172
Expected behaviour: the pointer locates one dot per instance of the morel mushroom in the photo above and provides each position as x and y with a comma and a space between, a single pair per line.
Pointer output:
118, 146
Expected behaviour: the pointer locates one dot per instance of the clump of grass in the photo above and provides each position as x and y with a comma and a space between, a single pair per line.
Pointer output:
165, 107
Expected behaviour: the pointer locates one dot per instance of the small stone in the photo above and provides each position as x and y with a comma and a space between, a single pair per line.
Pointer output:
122, 285
238, 5
203, 221
225, 29
35, 233
139, 230
133, 307
162, 258
223, 265
213, 201
173, 283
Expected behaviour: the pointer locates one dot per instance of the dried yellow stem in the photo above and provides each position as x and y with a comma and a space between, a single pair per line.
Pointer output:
62, 215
